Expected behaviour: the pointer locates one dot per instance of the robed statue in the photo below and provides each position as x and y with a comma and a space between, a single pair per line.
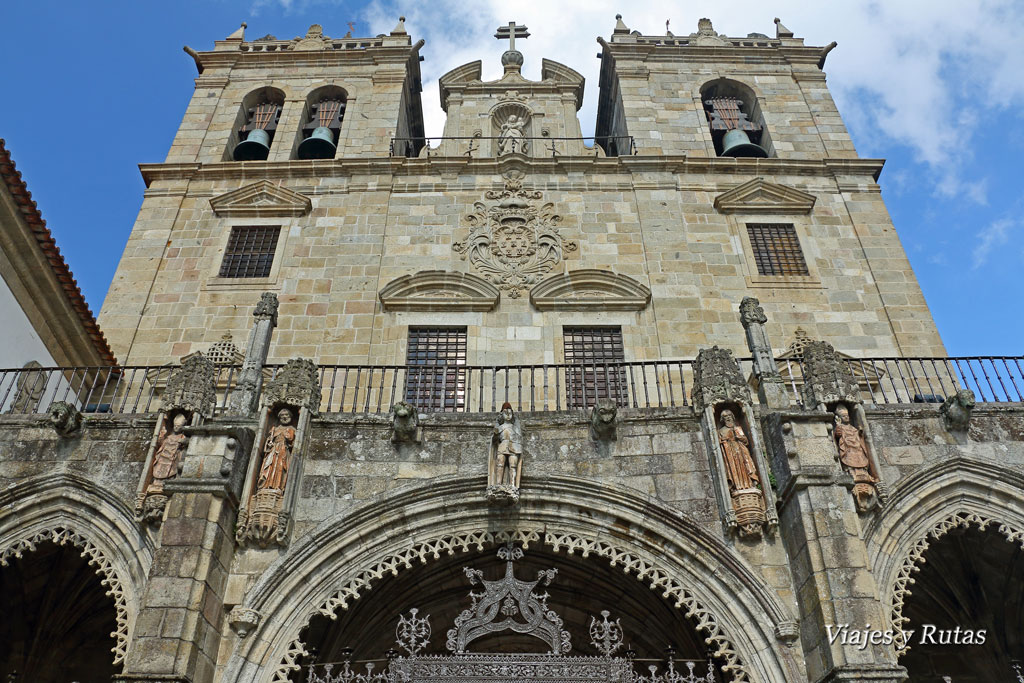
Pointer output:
276, 453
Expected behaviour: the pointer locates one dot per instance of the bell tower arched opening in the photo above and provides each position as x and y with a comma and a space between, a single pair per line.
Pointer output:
735, 119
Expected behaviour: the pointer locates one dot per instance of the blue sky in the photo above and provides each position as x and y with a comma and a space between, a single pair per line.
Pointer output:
91, 89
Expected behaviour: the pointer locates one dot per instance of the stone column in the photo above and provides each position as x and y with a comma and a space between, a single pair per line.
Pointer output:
177, 633
771, 390
246, 394
821, 530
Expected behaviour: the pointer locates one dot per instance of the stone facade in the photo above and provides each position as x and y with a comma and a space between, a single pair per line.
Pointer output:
379, 510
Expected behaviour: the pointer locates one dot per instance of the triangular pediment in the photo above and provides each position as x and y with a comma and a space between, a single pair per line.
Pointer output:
588, 289
760, 196
261, 199
439, 290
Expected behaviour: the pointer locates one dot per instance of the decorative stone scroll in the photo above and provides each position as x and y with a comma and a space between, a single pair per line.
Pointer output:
731, 434
189, 398
505, 458
271, 484
829, 386
513, 242
522, 610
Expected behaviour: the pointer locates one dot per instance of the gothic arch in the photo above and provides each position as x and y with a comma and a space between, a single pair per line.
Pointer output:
734, 609
958, 492
67, 509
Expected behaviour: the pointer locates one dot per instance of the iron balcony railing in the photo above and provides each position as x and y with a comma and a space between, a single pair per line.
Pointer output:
485, 388
484, 147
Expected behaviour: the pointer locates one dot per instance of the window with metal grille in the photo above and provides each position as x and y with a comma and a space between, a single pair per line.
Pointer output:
435, 374
599, 353
776, 249
250, 251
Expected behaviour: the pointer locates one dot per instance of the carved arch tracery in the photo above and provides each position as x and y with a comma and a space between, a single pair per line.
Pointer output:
62, 536
958, 492
67, 509
740, 618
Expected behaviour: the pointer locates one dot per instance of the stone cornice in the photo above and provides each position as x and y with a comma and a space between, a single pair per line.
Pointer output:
848, 169
238, 59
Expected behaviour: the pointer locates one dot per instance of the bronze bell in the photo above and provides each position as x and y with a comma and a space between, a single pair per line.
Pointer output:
736, 143
319, 145
255, 147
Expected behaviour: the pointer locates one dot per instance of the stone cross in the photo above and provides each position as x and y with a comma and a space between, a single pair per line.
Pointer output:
510, 33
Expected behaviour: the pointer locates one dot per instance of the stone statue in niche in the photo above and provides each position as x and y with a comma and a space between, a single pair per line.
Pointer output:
853, 455
505, 467
265, 523
512, 138
170, 447
168, 455
742, 475
276, 453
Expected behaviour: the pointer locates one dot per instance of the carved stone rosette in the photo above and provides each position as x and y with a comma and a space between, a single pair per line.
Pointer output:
738, 467
189, 398
512, 241
272, 481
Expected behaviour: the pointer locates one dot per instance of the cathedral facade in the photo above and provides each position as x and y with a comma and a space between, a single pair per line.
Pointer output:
504, 405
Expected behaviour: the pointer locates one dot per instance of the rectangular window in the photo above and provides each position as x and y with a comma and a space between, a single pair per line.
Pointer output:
250, 251
776, 249
435, 374
599, 353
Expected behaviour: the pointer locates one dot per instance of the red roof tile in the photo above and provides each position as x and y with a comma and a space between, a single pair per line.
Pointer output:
16, 185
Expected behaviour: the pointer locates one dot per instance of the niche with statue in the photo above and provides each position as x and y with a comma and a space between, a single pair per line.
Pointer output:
189, 398
271, 485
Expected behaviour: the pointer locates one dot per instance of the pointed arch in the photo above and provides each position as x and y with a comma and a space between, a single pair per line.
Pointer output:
738, 614
955, 493
67, 509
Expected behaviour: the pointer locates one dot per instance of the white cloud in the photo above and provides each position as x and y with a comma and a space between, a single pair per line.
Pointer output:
923, 73
995, 235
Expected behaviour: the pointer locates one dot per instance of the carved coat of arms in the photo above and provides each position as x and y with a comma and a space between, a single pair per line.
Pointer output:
512, 241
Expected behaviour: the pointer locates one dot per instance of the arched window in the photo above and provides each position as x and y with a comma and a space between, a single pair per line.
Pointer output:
256, 124
325, 110
735, 119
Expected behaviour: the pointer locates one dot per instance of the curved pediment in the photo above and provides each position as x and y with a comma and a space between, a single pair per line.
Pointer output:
560, 73
588, 289
467, 73
760, 196
262, 199
439, 290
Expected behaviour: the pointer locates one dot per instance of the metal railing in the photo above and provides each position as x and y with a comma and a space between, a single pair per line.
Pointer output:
485, 388
479, 146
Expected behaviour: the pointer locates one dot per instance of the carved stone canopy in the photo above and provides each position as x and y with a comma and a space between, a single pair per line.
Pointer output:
512, 241
439, 290
296, 384
761, 197
262, 199
827, 378
717, 378
590, 288
193, 386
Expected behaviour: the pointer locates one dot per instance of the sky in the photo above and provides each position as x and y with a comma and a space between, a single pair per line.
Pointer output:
936, 87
